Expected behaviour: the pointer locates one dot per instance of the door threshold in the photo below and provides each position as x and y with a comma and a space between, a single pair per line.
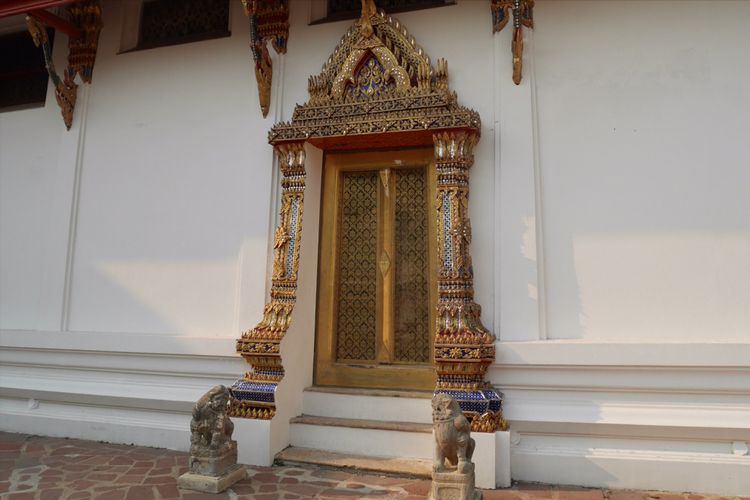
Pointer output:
355, 391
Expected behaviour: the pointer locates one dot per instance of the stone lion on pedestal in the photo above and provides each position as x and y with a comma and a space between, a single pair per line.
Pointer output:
211, 429
213, 454
453, 439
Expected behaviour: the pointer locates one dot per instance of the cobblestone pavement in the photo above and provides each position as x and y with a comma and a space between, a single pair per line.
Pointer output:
44, 468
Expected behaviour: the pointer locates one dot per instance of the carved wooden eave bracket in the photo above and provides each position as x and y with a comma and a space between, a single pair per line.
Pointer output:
523, 15
83, 26
269, 22
379, 89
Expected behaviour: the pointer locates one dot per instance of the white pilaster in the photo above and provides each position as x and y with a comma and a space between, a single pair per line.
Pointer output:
54, 295
519, 272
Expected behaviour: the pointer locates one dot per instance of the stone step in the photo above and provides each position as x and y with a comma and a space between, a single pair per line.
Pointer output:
413, 467
365, 437
368, 404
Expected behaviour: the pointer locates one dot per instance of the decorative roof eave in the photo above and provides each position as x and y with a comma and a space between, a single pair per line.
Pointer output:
523, 15
83, 27
269, 22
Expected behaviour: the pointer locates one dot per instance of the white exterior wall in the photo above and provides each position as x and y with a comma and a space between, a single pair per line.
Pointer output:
134, 245
611, 244
642, 151
624, 246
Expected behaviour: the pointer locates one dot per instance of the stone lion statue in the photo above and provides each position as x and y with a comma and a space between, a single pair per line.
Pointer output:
453, 439
211, 429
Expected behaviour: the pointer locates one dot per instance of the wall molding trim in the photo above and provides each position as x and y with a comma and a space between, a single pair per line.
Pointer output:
646, 415
123, 388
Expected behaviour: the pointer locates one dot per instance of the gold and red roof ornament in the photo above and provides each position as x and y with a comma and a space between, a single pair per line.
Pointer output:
523, 15
82, 50
82, 25
66, 90
269, 22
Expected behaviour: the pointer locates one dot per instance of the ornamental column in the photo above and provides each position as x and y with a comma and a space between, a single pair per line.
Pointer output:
253, 396
464, 348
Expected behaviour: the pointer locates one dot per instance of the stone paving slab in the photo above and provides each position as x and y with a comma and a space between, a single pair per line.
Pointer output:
44, 468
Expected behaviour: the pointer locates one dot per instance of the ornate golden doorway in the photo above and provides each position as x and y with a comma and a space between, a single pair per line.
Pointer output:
377, 290
378, 90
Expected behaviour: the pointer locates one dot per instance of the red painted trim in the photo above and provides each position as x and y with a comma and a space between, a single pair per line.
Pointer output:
13, 7
385, 140
58, 23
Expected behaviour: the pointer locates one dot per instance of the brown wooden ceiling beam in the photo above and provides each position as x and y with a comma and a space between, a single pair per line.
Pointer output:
58, 23
14, 7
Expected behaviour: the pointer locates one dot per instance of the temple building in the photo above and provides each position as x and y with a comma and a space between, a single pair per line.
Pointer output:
337, 208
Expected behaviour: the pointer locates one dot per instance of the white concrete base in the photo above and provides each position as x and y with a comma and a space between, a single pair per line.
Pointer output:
606, 462
662, 416
492, 459
253, 441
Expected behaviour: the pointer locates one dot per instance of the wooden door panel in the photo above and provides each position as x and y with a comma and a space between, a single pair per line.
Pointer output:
377, 285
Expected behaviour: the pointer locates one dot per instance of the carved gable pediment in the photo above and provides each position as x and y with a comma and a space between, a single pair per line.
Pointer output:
377, 80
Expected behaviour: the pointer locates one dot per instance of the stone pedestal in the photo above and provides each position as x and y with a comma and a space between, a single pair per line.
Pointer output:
452, 485
212, 484
214, 465
213, 474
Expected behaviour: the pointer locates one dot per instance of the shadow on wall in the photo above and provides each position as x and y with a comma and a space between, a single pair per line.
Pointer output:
198, 298
651, 285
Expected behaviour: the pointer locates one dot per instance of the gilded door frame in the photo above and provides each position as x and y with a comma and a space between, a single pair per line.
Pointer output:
377, 375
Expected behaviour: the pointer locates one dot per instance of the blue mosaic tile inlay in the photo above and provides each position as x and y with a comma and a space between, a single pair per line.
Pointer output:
476, 401
292, 237
447, 240
243, 390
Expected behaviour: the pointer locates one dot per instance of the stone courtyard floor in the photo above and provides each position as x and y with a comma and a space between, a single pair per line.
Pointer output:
44, 468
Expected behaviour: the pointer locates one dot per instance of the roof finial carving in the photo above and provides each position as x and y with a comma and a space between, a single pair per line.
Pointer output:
368, 10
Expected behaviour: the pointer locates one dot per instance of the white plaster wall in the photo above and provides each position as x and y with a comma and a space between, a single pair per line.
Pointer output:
133, 247
643, 130
174, 192
623, 246
29, 141
175, 188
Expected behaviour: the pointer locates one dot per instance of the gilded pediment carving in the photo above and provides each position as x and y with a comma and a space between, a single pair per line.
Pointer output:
377, 80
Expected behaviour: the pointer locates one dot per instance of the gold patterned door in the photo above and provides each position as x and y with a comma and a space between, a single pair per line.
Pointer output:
377, 287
